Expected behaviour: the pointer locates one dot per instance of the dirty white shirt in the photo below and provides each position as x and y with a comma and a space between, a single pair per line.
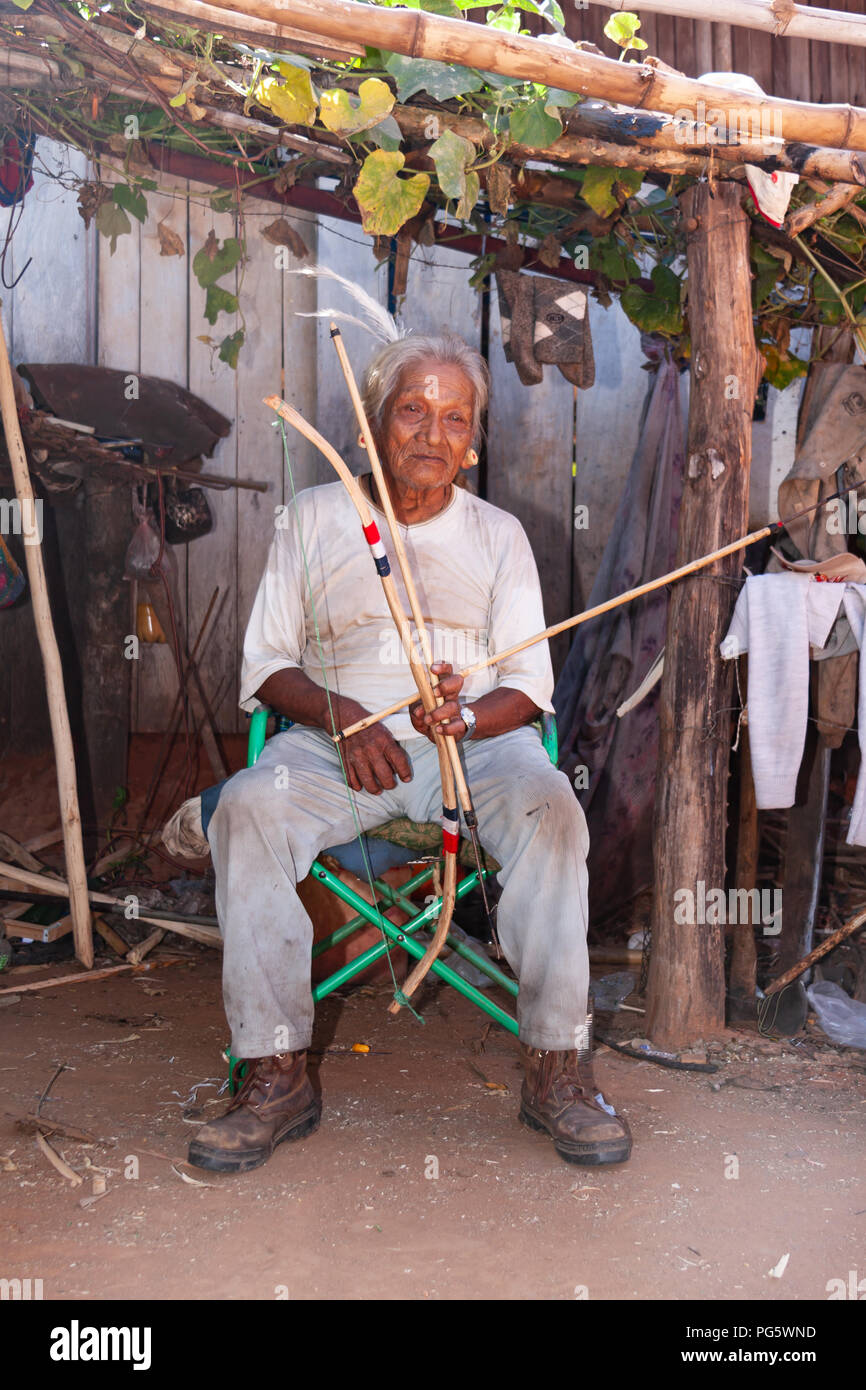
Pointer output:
477, 585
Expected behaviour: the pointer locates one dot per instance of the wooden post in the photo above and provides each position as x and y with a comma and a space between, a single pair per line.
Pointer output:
686, 979
70, 818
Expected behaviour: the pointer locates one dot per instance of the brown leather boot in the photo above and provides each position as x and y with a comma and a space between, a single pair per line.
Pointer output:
275, 1102
559, 1095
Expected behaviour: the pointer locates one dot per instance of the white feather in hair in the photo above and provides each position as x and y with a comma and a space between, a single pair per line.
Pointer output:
376, 320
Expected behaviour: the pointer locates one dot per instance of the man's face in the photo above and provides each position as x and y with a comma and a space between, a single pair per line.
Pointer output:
427, 429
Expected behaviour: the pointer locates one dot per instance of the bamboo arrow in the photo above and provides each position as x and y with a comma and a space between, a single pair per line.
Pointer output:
773, 529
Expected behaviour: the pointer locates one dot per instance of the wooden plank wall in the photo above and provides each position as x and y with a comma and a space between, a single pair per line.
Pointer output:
795, 68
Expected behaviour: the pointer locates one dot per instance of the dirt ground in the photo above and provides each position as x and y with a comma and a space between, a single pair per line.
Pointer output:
355, 1211
421, 1182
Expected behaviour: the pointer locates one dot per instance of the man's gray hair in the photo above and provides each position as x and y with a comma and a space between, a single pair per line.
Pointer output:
383, 373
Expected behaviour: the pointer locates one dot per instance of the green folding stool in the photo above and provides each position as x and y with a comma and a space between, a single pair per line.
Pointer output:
399, 832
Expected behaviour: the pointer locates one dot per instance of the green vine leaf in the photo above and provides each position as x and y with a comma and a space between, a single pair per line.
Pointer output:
230, 347
659, 312
24, 4
453, 156
533, 125
598, 187
344, 114
132, 200
213, 261
622, 28
385, 200
557, 97
112, 222
767, 272
293, 100
387, 134
441, 81
219, 301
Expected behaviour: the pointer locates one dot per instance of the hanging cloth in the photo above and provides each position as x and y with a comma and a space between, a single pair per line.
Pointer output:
12, 582
16, 168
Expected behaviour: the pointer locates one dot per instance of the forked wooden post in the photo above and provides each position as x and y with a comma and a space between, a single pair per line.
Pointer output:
686, 978
70, 817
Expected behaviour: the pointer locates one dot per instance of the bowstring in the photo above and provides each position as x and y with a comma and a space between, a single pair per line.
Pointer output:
359, 833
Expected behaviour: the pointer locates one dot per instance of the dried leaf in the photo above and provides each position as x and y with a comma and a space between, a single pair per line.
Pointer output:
6, 1164
194, 111
550, 251
286, 178
281, 233
170, 244
498, 189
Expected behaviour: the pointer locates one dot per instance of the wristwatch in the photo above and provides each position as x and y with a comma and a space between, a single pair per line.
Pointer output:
467, 714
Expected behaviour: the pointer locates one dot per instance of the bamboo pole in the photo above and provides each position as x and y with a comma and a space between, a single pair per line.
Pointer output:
786, 18
630, 139
417, 34
67, 786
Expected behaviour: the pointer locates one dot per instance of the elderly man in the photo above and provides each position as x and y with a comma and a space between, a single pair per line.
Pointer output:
318, 650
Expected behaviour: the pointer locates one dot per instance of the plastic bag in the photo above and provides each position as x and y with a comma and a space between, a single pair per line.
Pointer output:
143, 550
842, 1018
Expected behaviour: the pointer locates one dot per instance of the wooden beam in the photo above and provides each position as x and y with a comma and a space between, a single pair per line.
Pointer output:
777, 17
417, 34
686, 977
64, 754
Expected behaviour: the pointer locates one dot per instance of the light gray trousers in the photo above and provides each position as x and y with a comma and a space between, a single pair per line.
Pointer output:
273, 819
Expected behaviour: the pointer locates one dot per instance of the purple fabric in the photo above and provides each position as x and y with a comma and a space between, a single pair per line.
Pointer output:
611, 655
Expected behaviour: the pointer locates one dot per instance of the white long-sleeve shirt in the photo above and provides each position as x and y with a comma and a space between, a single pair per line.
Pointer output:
477, 584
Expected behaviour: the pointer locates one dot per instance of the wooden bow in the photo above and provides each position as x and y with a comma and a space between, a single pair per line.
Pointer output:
450, 819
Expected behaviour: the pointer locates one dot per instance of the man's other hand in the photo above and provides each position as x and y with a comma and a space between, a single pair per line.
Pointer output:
372, 757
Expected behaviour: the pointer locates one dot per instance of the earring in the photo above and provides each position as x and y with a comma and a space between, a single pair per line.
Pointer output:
362, 443
472, 457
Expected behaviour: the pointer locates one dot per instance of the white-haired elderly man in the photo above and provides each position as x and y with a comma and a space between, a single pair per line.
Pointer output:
476, 577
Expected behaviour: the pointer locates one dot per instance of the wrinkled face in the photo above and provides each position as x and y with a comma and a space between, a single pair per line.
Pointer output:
427, 427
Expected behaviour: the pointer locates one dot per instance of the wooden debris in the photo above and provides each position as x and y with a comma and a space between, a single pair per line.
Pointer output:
57, 1162
82, 977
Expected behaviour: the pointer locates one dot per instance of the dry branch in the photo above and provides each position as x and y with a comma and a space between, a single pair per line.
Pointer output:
208, 936
67, 785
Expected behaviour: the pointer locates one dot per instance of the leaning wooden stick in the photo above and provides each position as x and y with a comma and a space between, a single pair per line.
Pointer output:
828, 944
774, 528
64, 756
